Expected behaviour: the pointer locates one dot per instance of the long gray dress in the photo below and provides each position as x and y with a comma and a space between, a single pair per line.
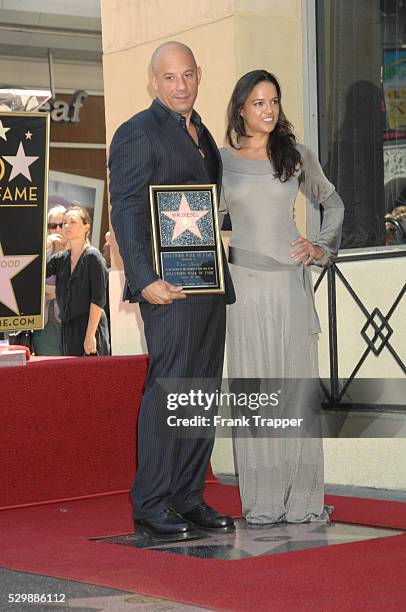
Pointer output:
272, 329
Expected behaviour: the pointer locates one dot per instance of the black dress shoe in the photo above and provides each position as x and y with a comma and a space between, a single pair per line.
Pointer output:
206, 517
165, 526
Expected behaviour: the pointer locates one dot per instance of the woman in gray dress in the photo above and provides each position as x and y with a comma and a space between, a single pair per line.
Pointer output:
273, 327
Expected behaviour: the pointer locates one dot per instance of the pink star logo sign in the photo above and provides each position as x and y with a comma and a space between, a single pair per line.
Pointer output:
10, 266
185, 219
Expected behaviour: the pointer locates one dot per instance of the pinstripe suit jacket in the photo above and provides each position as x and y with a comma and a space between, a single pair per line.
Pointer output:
151, 149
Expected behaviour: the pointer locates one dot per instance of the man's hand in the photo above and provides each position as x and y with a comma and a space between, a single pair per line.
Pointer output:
309, 252
162, 292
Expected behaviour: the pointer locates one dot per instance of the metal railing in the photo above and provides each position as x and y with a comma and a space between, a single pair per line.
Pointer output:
376, 332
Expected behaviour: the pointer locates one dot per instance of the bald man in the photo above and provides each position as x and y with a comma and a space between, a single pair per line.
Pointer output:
163, 145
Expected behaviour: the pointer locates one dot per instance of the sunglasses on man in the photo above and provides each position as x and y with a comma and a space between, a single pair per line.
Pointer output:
54, 226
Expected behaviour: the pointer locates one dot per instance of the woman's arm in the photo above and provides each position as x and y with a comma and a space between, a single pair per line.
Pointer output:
329, 235
52, 266
89, 343
319, 190
98, 275
50, 292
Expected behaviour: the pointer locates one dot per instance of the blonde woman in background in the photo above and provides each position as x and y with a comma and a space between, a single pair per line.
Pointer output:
81, 281
48, 341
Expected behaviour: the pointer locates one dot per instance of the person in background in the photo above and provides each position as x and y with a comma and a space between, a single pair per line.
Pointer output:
107, 257
48, 341
395, 225
106, 249
81, 281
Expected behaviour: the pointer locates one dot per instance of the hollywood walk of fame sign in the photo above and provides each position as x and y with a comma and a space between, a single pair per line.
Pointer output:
24, 147
186, 237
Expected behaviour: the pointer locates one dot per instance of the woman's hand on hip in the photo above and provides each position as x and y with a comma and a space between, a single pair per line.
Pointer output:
307, 252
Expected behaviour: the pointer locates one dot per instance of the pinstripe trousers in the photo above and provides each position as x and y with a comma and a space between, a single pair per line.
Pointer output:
185, 339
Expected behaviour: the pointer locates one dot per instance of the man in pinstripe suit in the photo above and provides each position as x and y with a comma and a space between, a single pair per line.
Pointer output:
168, 144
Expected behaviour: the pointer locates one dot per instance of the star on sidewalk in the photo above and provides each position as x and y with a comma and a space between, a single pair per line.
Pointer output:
20, 163
3, 131
185, 219
10, 266
28, 135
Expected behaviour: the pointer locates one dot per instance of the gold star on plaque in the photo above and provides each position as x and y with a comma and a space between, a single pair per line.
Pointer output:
185, 219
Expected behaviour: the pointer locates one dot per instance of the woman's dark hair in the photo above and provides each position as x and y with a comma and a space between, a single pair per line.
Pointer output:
281, 148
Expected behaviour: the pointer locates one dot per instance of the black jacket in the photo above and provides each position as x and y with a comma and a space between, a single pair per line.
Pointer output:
151, 149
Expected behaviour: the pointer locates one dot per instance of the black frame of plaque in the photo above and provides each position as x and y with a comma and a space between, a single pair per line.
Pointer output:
214, 250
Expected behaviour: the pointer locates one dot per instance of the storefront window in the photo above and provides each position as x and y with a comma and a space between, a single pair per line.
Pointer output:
362, 115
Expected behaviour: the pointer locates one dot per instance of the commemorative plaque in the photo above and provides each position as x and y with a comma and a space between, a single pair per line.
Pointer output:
186, 237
